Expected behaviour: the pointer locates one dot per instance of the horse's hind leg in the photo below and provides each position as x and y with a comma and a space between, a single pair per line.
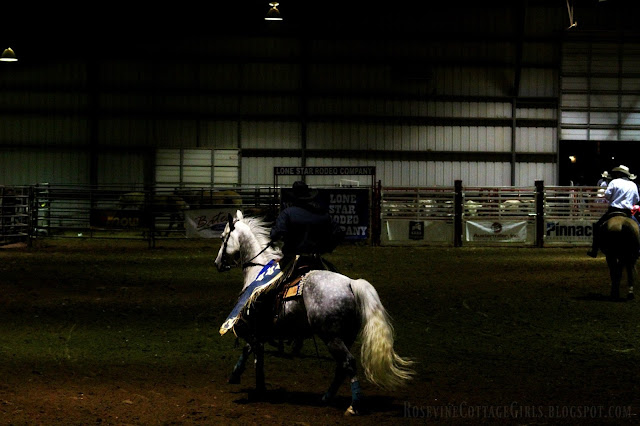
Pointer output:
345, 367
615, 272
631, 278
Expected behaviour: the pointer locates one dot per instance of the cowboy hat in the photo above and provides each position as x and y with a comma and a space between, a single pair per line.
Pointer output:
624, 170
302, 192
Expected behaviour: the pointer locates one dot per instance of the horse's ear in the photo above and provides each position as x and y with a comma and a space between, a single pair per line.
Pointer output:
239, 215
230, 219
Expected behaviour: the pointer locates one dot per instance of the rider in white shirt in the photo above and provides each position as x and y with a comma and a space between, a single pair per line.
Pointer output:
622, 195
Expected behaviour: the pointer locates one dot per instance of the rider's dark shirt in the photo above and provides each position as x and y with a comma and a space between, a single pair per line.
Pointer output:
304, 229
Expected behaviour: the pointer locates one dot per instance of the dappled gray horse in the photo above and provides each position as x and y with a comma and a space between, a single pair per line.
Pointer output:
332, 306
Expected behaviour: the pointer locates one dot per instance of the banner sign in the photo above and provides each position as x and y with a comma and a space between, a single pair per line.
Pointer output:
116, 219
206, 223
568, 231
515, 232
323, 171
348, 207
416, 230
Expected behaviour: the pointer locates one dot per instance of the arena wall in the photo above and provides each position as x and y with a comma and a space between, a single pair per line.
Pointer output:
422, 101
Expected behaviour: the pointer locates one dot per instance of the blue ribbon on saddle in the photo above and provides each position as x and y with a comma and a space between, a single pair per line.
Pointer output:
267, 276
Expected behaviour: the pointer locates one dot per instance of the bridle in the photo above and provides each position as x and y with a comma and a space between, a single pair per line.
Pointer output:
224, 264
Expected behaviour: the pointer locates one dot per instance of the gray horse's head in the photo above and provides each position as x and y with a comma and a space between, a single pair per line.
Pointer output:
229, 253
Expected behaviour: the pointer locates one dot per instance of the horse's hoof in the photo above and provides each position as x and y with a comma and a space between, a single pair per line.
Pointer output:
351, 412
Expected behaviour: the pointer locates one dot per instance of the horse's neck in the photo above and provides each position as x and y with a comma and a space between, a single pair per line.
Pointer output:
251, 254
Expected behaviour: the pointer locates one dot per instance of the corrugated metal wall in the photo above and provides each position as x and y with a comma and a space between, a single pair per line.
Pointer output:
479, 105
600, 112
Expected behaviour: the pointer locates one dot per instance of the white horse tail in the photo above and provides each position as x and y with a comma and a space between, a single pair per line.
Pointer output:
382, 366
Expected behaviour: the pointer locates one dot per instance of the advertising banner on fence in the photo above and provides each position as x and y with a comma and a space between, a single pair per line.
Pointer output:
415, 231
206, 223
572, 231
348, 207
493, 231
116, 219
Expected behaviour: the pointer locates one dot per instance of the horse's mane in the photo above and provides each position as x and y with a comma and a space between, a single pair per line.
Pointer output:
261, 229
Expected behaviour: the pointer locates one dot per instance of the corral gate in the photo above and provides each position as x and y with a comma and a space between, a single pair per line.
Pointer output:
529, 216
14, 214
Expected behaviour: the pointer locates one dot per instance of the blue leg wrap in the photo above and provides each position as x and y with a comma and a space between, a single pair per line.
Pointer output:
356, 392
239, 367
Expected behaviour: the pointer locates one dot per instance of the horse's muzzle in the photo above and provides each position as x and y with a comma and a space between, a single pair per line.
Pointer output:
223, 267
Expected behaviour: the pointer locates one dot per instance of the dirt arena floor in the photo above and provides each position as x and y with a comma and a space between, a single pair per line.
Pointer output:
115, 333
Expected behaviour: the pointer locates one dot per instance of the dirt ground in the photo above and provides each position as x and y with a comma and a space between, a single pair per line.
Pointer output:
114, 333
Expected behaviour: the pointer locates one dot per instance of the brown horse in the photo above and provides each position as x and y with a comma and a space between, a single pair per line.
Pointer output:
620, 242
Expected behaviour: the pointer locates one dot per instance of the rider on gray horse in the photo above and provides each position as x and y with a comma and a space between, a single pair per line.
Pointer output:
306, 231
622, 195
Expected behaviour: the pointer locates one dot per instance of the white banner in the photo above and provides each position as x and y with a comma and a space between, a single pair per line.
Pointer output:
416, 231
206, 223
511, 232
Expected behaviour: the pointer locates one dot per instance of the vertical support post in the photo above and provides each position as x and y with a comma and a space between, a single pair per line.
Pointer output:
540, 213
376, 220
30, 222
457, 216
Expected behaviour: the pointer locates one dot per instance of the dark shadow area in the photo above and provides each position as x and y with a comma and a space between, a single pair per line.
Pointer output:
597, 297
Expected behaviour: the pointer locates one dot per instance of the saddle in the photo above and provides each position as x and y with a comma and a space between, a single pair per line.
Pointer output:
292, 282
612, 214
609, 215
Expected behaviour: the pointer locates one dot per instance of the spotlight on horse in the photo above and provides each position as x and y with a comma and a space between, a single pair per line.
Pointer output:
332, 306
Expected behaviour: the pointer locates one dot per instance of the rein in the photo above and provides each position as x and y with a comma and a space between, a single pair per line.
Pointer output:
246, 264
250, 262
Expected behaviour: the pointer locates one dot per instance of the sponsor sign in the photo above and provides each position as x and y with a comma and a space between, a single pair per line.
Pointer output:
116, 219
428, 231
348, 207
568, 231
206, 223
324, 171
416, 230
496, 231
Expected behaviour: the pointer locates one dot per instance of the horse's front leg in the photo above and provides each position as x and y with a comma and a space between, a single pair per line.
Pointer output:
259, 354
238, 369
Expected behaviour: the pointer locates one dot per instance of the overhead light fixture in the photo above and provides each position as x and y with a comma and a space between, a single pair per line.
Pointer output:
273, 14
572, 22
8, 55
